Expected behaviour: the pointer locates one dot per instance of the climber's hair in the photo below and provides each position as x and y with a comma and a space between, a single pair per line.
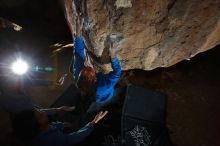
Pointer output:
87, 79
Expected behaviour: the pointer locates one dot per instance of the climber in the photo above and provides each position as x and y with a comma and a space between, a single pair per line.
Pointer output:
92, 84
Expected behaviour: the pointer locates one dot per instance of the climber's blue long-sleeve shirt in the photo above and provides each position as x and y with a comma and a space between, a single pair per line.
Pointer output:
105, 82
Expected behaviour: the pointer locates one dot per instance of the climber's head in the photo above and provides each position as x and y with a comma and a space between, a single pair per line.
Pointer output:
86, 80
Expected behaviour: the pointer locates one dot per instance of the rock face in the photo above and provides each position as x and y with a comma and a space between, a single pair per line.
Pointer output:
8, 24
152, 33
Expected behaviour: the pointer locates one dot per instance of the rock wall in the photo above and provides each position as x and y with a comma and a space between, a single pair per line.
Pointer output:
152, 33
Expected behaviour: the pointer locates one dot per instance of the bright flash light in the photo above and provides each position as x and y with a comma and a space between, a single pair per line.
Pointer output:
19, 67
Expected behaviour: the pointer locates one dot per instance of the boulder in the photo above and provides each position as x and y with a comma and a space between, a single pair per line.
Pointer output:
151, 33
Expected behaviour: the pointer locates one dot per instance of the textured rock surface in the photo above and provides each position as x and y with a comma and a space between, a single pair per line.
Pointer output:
155, 33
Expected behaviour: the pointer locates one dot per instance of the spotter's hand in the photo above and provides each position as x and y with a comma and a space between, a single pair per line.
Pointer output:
99, 116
